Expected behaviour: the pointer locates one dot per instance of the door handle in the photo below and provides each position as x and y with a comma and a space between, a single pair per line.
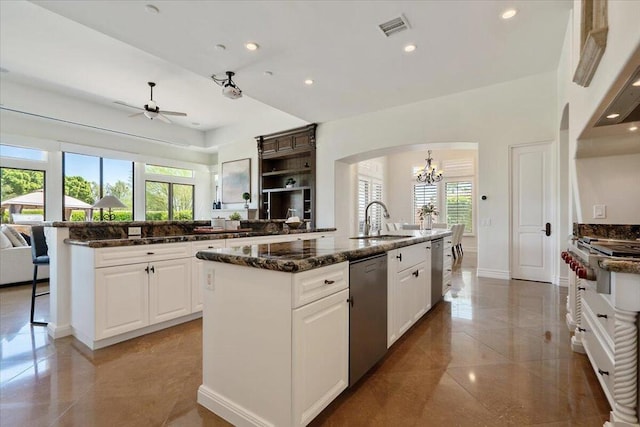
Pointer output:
547, 229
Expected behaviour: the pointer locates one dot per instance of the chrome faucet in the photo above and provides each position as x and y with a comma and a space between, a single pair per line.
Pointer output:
367, 220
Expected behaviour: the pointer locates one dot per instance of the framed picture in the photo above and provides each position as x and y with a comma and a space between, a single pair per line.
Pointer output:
236, 179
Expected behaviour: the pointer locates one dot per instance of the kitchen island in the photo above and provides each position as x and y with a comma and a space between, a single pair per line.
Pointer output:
276, 321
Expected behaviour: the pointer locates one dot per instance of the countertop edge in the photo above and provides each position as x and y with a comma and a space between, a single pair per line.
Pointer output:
620, 266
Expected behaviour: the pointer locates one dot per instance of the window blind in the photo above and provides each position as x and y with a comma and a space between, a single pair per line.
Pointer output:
423, 194
363, 200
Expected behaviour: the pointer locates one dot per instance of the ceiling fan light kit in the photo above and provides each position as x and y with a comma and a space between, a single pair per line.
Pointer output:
229, 88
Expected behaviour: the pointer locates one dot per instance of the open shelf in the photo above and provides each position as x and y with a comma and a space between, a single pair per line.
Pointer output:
277, 190
287, 172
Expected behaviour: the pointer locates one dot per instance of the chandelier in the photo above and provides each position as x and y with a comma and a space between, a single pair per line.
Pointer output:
429, 174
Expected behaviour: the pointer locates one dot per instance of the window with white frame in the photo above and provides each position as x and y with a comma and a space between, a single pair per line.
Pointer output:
459, 203
169, 193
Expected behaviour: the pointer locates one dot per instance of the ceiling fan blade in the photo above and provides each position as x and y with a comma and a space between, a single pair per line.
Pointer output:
173, 113
136, 114
127, 105
163, 118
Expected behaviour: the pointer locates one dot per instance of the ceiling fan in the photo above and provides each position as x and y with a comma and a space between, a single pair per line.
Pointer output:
151, 109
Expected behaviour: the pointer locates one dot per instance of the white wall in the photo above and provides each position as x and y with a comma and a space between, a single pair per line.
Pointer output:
495, 117
622, 41
611, 181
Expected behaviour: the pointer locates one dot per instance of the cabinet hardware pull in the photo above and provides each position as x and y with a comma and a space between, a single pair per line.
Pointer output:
448, 284
448, 269
399, 256
581, 329
147, 269
601, 372
580, 288
329, 282
210, 247
150, 253
350, 300
416, 273
604, 316
153, 269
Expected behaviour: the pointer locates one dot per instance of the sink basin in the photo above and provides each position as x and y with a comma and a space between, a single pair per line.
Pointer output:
382, 237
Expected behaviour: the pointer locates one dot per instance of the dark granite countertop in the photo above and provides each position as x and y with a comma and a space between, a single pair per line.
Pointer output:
305, 255
107, 243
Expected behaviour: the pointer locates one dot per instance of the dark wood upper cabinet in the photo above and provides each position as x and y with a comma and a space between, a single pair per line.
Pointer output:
283, 157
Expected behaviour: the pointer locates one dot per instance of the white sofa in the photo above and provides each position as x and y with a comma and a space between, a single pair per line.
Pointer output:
16, 266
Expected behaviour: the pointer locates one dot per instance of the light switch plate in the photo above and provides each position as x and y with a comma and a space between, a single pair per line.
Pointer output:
599, 211
135, 231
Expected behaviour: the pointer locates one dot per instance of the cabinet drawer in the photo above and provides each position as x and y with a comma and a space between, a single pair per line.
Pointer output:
601, 359
312, 285
603, 313
106, 257
206, 244
411, 255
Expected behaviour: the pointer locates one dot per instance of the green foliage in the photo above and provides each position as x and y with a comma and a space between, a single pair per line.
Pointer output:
17, 182
165, 170
235, 216
156, 196
246, 196
80, 188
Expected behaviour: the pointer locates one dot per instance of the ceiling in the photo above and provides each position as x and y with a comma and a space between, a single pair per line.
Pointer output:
107, 51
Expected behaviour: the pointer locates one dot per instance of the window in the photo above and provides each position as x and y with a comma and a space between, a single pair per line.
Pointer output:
369, 189
22, 153
169, 171
459, 203
22, 194
159, 194
423, 194
89, 178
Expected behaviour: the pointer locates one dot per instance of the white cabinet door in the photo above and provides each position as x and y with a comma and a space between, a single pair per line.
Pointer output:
169, 289
320, 355
422, 290
122, 301
405, 301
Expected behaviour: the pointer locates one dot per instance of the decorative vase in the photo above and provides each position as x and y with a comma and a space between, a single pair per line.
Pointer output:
428, 222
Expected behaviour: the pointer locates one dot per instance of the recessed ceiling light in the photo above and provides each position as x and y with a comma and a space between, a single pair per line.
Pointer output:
251, 46
509, 13
268, 73
152, 9
636, 83
613, 116
220, 47
410, 48
308, 82
633, 128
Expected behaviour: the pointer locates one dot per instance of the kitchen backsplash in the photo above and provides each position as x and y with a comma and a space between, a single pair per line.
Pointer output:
609, 231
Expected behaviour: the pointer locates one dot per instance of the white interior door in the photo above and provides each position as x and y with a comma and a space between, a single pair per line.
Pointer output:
531, 210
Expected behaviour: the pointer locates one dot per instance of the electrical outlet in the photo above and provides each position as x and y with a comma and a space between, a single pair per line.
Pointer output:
135, 231
209, 279
599, 211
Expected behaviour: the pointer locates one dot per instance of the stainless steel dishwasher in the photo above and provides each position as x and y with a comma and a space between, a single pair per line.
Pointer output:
437, 247
367, 314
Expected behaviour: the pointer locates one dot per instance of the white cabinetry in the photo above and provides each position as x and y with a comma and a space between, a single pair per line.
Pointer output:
408, 288
196, 270
116, 297
290, 336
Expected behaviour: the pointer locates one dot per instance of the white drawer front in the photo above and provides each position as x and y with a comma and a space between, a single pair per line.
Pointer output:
602, 310
203, 245
409, 256
312, 285
123, 255
600, 358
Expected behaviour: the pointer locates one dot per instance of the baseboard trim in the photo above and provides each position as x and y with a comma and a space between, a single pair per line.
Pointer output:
230, 411
493, 274
56, 331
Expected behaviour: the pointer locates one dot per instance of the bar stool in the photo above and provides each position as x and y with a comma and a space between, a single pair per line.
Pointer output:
39, 256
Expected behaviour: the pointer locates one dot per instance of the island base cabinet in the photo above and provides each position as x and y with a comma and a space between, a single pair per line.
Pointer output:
320, 355
122, 300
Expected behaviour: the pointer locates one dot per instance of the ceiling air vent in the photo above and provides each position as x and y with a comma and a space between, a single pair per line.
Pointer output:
394, 26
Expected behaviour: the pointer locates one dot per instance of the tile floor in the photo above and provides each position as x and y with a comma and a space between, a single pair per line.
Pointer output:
497, 354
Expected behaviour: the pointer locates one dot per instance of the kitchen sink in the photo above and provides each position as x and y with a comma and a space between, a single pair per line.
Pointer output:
382, 237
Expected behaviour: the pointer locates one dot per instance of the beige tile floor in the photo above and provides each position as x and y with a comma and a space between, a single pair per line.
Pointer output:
496, 355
